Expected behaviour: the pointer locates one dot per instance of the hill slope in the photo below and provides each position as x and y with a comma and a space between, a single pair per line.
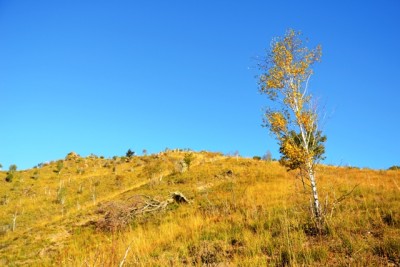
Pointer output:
106, 212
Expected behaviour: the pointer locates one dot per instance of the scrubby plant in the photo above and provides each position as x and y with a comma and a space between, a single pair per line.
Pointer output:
12, 168
181, 166
59, 166
130, 153
188, 159
80, 170
9, 178
61, 195
267, 156
394, 168
10, 174
5, 200
35, 175
119, 179
80, 189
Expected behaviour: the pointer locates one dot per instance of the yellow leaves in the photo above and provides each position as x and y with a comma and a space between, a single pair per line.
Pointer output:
292, 150
307, 120
285, 82
275, 78
290, 60
277, 122
283, 57
293, 155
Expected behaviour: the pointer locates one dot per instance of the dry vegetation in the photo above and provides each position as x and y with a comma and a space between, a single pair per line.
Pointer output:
242, 212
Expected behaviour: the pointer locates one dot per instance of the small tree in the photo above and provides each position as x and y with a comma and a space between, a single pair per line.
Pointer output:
130, 153
293, 118
59, 167
10, 174
9, 177
236, 154
12, 168
188, 159
394, 168
268, 156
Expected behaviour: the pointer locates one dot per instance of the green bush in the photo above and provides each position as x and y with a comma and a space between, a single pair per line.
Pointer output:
9, 177
12, 168
60, 165
188, 159
394, 168
130, 153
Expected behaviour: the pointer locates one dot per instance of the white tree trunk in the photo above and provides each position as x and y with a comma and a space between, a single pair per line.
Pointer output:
316, 206
14, 220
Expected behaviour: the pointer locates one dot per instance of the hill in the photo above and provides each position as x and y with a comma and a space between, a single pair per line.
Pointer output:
229, 211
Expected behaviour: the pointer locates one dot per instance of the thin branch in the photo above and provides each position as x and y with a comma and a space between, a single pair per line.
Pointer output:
306, 86
126, 254
341, 198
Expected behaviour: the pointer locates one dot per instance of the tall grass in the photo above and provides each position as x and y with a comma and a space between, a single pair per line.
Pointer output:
243, 213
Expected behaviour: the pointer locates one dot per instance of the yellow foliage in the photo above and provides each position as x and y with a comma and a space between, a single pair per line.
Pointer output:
306, 119
292, 150
278, 122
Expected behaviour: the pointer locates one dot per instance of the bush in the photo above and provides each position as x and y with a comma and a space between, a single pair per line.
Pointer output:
35, 175
257, 157
389, 248
9, 177
60, 165
394, 168
130, 153
12, 168
188, 159
267, 156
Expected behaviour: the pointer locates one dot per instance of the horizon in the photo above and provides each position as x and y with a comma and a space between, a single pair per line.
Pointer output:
182, 150
101, 78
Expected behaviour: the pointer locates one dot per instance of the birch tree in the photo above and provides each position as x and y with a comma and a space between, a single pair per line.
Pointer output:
292, 116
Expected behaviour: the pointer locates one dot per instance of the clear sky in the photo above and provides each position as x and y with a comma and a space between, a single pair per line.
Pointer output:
105, 76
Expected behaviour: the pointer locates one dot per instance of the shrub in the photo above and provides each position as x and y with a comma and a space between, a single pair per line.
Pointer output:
60, 165
257, 157
35, 175
61, 195
188, 159
119, 179
181, 166
9, 177
389, 248
130, 153
12, 168
267, 156
394, 168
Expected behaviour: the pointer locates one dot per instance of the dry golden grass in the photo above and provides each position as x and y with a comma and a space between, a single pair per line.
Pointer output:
244, 212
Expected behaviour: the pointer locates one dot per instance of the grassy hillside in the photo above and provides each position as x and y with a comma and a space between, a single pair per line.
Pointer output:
242, 212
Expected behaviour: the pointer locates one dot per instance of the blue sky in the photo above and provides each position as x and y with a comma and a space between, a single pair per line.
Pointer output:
105, 76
